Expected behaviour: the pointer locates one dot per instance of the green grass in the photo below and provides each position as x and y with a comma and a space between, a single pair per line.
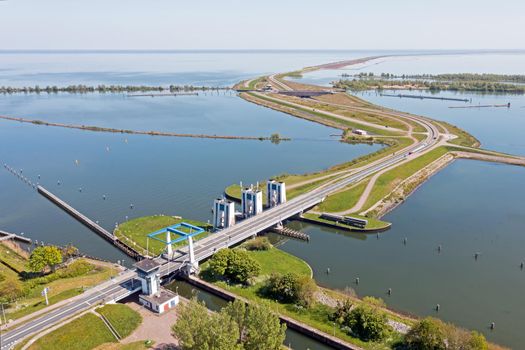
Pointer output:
138, 345
137, 230
344, 199
63, 284
40, 304
124, 319
276, 260
344, 124
389, 180
463, 139
84, 333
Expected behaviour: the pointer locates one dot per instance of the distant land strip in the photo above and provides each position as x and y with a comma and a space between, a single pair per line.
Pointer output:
274, 138
82, 89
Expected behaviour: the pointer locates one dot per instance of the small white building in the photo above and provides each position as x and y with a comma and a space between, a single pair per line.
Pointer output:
223, 213
252, 202
153, 296
360, 132
275, 193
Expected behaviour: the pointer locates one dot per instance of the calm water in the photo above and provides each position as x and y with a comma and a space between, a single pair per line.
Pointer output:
469, 207
500, 129
175, 176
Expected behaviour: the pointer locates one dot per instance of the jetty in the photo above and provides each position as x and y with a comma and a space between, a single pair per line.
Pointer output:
288, 232
5, 236
422, 97
93, 226
165, 94
506, 105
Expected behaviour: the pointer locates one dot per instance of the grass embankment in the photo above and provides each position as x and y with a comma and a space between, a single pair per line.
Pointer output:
63, 284
138, 345
89, 331
389, 180
84, 333
324, 176
123, 319
346, 111
276, 102
317, 316
463, 137
135, 231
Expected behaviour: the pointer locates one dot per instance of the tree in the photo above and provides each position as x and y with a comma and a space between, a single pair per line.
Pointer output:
291, 288
235, 327
242, 267
234, 264
427, 334
259, 327
69, 251
368, 322
197, 328
44, 257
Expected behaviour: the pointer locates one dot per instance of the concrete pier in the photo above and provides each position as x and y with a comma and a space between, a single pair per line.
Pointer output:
93, 226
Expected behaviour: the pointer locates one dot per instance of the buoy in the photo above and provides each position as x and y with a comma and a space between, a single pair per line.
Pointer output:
39, 176
357, 280
476, 255
80, 189
492, 326
405, 241
389, 291
58, 182
437, 307
521, 265
104, 197
131, 206
439, 248
327, 270
377, 235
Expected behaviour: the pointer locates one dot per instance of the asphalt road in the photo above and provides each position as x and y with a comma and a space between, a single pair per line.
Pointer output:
208, 246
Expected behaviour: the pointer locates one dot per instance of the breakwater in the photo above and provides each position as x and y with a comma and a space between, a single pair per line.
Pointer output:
93, 226
272, 138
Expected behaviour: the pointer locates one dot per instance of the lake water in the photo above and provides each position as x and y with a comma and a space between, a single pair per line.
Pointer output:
469, 207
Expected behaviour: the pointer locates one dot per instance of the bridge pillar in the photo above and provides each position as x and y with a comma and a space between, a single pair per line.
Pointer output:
193, 265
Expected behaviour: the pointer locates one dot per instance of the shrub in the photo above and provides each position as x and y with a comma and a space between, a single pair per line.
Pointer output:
427, 334
368, 322
236, 265
75, 269
342, 311
11, 289
258, 243
291, 288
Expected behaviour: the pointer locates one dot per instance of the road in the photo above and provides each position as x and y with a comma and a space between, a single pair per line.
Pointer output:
208, 246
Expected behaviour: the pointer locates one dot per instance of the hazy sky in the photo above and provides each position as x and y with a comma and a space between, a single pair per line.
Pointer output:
263, 24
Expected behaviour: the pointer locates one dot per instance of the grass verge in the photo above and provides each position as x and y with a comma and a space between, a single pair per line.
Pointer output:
123, 318
135, 231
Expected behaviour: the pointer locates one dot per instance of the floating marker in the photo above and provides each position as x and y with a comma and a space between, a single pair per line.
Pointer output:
476, 255
80, 189
377, 235
131, 206
107, 148
58, 182
437, 307
405, 241
77, 162
389, 291
104, 197
327, 270
357, 280
521, 266
439, 248
39, 176
492, 326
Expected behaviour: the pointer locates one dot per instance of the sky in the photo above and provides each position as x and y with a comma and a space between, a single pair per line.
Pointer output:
267, 24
